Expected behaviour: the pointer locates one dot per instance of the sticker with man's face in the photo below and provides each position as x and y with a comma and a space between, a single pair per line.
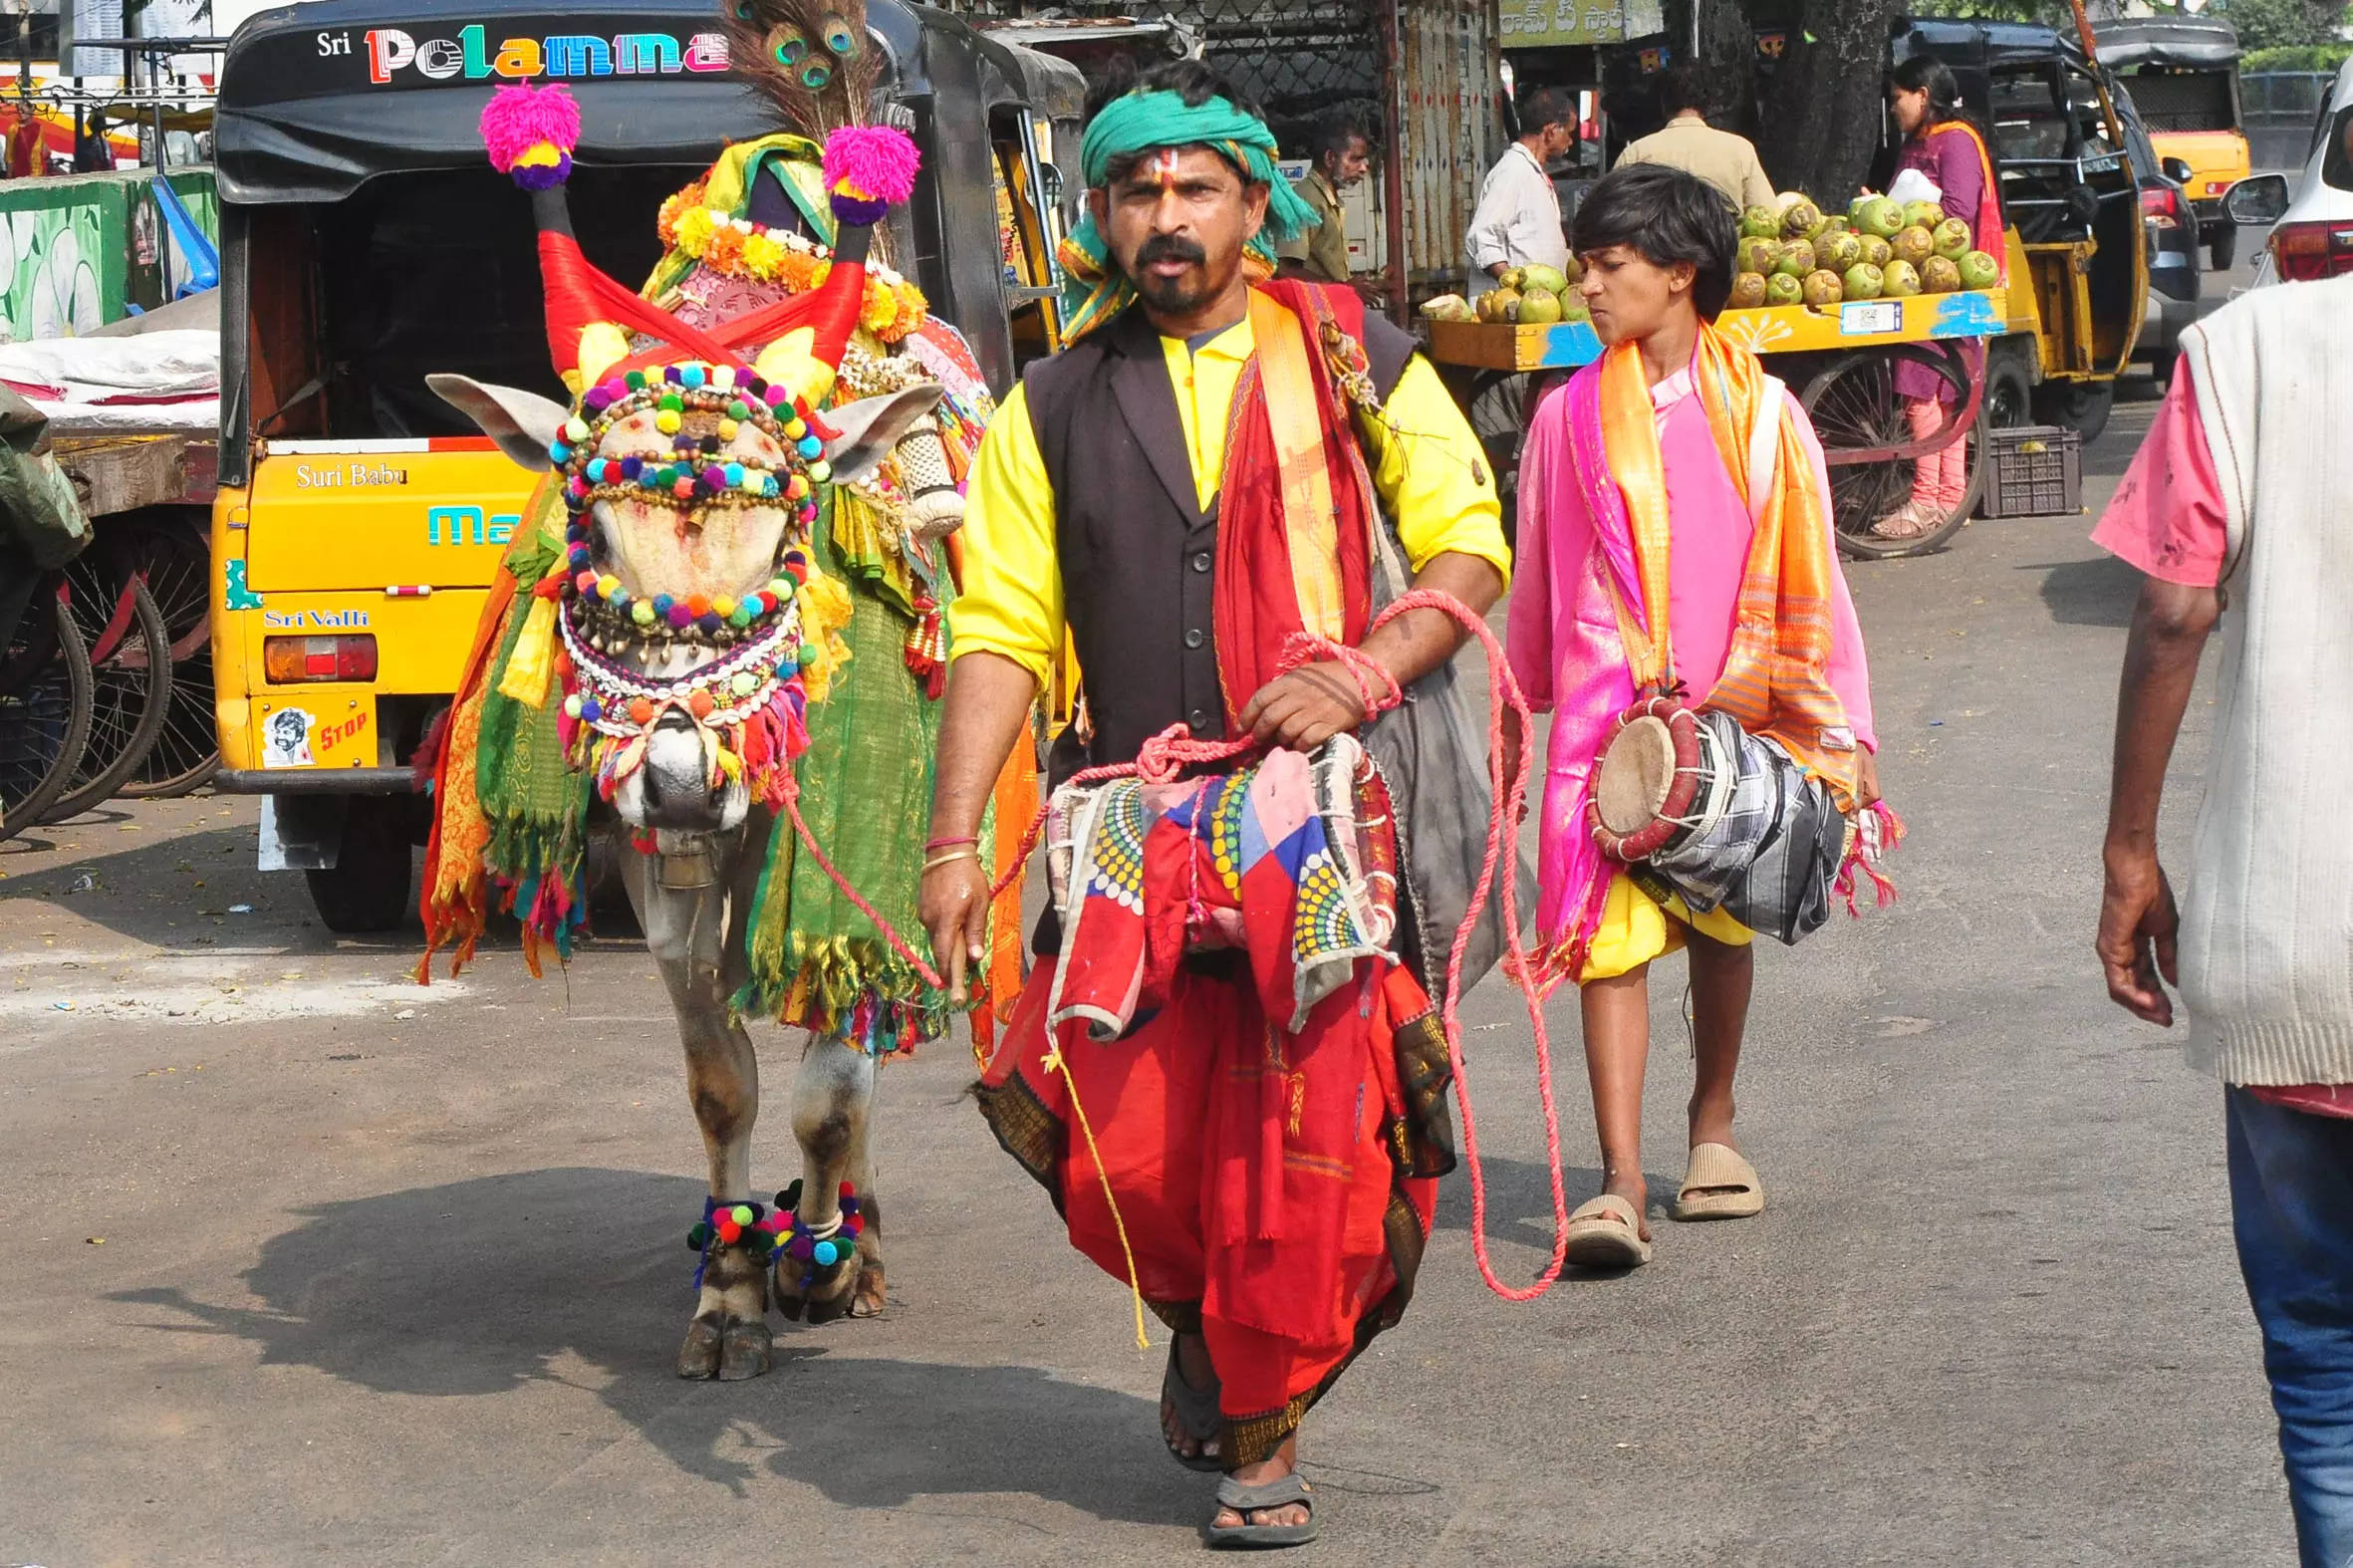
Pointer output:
286, 739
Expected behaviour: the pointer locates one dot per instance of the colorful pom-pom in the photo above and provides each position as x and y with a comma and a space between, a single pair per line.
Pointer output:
872, 163
824, 1253
642, 612
683, 489
819, 471
572, 706
679, 618
591, 711
730, 1232
520, 121
700, 704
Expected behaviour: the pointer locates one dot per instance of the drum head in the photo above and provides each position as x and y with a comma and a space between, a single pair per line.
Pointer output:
1631, 786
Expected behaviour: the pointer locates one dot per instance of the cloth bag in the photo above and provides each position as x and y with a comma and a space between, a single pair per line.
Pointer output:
1433, 752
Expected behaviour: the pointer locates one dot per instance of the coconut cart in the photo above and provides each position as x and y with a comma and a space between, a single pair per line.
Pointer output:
1840, 359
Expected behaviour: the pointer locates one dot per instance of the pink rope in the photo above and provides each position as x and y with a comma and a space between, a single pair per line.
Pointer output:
1165, 755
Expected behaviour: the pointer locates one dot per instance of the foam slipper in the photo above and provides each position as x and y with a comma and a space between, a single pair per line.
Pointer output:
1605, 1232
1247, 1500
1718, 1185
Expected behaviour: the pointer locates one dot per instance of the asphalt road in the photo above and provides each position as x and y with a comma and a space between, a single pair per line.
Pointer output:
307, 1265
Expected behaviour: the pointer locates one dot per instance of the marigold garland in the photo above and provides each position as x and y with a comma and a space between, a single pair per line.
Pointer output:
737, 248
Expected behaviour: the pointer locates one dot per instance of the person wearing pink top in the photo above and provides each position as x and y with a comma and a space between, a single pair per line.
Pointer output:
2232, 510
1658, 262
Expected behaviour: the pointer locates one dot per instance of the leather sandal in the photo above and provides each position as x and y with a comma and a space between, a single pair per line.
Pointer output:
1247, 1500
1196, 1412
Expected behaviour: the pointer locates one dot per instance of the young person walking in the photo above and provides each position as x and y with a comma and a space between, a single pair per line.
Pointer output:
1675, 534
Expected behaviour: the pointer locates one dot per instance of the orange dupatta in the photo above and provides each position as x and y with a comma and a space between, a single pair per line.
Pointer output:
1987, 228
1776, 680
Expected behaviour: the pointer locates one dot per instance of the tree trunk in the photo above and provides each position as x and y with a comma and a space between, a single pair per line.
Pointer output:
1825, 103
1727, 52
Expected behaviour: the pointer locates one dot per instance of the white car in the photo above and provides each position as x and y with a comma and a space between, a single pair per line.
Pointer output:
2313, 235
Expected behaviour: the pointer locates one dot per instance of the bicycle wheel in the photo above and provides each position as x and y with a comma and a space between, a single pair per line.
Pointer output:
44, 696
1858, 415
177, 561
131, 678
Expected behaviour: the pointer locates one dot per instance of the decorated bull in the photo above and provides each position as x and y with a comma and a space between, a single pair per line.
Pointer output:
718, 647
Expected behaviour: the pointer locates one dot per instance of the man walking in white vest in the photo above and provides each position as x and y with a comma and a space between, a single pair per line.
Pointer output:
2237, 499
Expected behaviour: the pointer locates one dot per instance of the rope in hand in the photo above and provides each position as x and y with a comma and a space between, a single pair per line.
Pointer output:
1163, 757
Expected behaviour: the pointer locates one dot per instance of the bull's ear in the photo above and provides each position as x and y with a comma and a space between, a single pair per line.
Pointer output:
522, 423
871, 427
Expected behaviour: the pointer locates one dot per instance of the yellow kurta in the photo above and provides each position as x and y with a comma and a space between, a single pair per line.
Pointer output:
1427, 466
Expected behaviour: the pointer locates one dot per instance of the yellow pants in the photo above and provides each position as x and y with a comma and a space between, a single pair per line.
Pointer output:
1635, 929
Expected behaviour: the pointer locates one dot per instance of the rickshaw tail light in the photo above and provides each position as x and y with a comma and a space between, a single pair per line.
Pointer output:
288, 661
2307, 251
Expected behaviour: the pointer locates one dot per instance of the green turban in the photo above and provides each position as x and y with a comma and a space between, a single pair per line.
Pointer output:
1094, 290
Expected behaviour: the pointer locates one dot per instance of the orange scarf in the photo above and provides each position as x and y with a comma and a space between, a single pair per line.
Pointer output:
1777, 680
1986, 229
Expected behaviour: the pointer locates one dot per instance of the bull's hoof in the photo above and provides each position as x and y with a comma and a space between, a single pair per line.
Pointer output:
699, 1356
745, 1351
868, 1300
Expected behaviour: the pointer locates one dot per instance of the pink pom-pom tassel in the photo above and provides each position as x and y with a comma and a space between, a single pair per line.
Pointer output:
520, 117
876, 161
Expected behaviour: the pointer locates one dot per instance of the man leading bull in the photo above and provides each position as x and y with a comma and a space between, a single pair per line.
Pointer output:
1216, 463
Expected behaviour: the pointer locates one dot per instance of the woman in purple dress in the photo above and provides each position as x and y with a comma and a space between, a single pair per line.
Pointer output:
1925, 102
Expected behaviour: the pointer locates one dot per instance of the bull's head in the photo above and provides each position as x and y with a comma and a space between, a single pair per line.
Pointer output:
689, 489
686, 602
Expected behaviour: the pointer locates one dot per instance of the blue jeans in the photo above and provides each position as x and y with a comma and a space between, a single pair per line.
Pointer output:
2292, 1202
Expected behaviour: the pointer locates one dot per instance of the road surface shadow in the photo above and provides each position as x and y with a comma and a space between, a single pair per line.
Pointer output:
2094, 593
482, 1287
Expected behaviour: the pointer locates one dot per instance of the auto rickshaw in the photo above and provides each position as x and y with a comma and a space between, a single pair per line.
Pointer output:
2071, 199
366, 242
2183, 72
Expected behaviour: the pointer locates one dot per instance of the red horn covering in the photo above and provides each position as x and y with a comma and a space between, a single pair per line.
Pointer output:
578, 296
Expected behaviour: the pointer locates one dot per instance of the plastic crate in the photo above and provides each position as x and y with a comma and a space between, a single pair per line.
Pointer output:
2034, 470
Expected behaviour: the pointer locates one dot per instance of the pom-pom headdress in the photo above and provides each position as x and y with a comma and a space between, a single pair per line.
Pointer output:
530, 134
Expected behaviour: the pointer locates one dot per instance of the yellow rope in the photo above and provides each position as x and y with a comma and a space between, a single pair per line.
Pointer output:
1054, 1061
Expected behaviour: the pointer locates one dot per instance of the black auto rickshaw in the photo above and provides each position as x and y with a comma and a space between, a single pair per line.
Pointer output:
367, 242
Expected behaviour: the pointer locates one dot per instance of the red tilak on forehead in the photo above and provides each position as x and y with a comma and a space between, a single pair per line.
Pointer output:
1166, 167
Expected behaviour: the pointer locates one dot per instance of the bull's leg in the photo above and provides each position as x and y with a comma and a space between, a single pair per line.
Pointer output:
833, 1102
685, 929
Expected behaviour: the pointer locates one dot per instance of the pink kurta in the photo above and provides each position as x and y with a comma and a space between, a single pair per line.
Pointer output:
1563, 631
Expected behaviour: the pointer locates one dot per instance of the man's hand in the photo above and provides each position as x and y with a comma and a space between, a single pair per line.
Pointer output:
1865, 777
2137, 928
954, 908
1514, 744
1305, 708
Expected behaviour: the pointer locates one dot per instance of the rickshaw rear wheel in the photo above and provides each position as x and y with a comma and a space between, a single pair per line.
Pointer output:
2081, 406
1854, 407
367, 890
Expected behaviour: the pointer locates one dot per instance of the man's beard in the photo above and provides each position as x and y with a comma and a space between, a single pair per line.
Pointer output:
1176, 296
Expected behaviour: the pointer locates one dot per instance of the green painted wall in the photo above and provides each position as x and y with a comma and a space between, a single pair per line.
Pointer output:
76, 251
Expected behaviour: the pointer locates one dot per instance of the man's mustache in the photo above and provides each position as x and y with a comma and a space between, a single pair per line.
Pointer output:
1170, 247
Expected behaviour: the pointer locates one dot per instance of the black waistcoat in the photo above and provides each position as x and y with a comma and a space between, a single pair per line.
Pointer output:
1139, 555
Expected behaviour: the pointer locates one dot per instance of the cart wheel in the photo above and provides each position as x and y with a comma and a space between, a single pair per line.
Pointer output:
176, 559
45, 698
131, 672
1854, 407
2081, 406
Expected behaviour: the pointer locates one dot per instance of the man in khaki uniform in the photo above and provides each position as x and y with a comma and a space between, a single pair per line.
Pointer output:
1342, 153
1689, 143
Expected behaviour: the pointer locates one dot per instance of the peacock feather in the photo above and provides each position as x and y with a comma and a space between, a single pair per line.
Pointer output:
812, 58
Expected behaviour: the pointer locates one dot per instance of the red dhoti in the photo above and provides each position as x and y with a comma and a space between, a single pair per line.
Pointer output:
1267, 1180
